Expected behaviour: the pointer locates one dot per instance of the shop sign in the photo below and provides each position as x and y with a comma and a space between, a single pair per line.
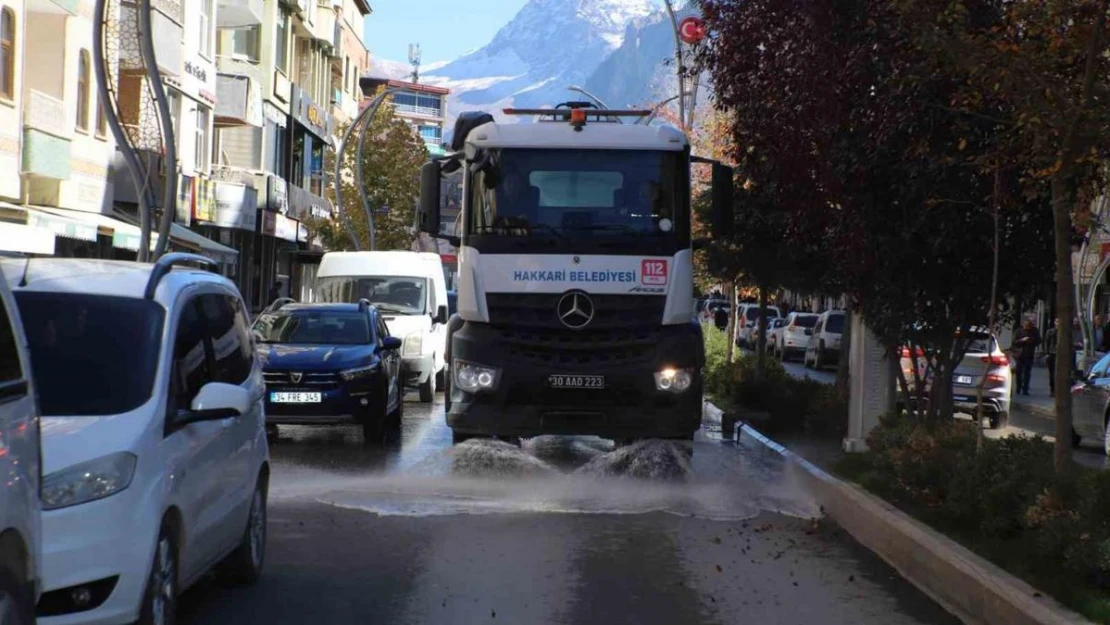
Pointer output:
277, 194
286, 228
236, 206
449, 258
204, 200
311, 115
196, 70
302, 233
269, 222
184, 208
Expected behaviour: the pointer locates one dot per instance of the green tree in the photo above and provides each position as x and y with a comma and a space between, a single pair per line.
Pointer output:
392, 157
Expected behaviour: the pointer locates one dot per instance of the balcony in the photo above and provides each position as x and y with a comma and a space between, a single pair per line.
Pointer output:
46, 149
167, 30
55, 7
337, 44
238, 92
238, 13
413, 109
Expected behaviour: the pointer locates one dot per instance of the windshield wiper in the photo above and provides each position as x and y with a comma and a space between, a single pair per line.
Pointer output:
526, 226
625, 228
391, 309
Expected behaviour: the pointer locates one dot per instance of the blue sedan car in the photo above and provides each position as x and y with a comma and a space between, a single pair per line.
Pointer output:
330, 364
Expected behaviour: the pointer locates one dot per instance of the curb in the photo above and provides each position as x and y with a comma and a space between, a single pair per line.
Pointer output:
968, 586
1040, 412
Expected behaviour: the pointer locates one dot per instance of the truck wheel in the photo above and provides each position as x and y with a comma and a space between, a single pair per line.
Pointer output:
428, 389
441, 377
459, 437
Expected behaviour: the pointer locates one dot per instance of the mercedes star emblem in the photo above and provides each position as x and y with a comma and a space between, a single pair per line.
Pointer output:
576, 260
296, 377
575, 310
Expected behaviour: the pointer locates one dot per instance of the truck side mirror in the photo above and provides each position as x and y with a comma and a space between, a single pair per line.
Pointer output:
441, 316
723, 216
429, 198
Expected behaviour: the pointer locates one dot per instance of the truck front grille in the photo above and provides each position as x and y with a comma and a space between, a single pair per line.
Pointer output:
538, 310
570, 348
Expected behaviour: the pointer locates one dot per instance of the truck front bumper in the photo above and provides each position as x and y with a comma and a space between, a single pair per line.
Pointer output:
629, 406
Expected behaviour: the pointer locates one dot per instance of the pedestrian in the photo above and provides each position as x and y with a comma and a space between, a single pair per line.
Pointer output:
1050, 348
1025, 344
275, 291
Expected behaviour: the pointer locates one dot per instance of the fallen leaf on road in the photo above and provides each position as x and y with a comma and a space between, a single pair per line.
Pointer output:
719, 569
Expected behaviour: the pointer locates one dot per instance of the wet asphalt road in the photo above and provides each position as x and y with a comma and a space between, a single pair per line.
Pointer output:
562, 530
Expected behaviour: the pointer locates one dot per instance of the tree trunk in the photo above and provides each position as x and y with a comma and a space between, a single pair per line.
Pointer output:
991, 314
1061, 203
1063, 198
730, 329
761, 342
842, 363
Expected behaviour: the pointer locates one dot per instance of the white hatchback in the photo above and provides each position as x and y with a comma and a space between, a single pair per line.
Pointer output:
155, 458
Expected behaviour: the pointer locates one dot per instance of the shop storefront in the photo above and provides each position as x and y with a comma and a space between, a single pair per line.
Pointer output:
311, 133
231, 218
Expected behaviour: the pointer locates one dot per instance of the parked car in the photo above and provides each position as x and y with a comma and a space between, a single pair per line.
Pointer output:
327, 364
1091, 401
823, 346
747, 320
410, 290
794, 335
983, 358
154, 452
773, 327
21, 464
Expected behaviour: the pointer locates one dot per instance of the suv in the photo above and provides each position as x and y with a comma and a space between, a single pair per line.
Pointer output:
747, 322
154, 450
20, 459
794, 336
328, 364
823, 346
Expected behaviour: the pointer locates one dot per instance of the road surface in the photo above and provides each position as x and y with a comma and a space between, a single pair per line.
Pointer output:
563, 530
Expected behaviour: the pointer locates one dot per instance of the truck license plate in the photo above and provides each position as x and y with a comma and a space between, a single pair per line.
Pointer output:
576, 381
963, 379
295, 398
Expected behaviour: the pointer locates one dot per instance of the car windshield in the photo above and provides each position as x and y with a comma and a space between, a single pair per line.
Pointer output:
753, 313
91, 355
835, 324
980, 344
317, 327
582, 193
805, 321
400, 295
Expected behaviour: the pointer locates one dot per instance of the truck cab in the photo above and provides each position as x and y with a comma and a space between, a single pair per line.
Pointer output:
575, 276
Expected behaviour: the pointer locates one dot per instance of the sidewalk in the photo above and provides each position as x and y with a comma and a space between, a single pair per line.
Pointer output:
1038, 403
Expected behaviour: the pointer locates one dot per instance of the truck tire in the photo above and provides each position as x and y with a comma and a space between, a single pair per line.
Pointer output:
441, 378
428, 389
459, 437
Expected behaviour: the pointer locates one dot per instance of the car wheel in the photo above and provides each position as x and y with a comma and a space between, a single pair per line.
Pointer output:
1106, 439
398, 413
993, 420
1076, 439
374, 420
244, 565
428, 389
159, 605
817, 364
16, 603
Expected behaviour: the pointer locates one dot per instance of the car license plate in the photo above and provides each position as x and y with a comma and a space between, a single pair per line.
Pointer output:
963, 379
295, 398
576, 381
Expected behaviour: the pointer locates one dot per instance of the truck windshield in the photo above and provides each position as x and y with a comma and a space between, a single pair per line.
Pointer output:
583, 193
399, 295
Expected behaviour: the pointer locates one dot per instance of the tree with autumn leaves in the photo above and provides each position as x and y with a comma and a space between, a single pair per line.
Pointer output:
392, 158
902, 138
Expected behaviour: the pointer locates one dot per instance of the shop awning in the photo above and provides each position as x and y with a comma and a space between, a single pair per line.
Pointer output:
26, 239
60, 225
211, 248
124, 235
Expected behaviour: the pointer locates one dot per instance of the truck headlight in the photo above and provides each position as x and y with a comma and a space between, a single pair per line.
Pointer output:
88, 481
674, 380
358, 373
414, 344
473, 378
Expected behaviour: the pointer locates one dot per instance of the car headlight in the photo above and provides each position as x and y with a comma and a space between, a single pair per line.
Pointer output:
88, 481
674, 380
472, 378
414, 344
359, 373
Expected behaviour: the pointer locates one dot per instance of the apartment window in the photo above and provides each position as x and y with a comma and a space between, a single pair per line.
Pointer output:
83, 84
101, 118
206, 28
7, 53
244, 42
430, 134
202, 149
346, 68
281, 58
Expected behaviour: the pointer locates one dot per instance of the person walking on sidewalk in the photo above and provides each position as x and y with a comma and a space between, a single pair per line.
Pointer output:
1050, 348
1025, 344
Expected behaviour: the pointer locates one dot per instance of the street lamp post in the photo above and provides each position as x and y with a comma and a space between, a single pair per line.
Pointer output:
690, 30
681, 69
362, 123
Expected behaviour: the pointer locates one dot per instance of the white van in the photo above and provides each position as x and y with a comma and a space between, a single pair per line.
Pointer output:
410, 290
21, 464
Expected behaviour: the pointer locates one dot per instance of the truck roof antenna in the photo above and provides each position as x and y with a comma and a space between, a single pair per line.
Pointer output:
26, 266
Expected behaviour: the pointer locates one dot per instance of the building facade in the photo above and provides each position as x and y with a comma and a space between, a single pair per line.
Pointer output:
424, 107
350, 59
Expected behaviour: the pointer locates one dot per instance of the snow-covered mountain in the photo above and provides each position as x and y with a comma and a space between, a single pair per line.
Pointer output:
547, 46
619, 50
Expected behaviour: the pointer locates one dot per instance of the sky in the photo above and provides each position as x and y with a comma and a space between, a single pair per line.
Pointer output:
445, 29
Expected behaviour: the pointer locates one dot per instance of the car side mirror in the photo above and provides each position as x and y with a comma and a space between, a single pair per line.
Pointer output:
391, 343
723, 215
216, 401
441, 315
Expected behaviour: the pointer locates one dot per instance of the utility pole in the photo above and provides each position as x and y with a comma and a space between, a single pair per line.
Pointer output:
691, 30
362, 124
414, 60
